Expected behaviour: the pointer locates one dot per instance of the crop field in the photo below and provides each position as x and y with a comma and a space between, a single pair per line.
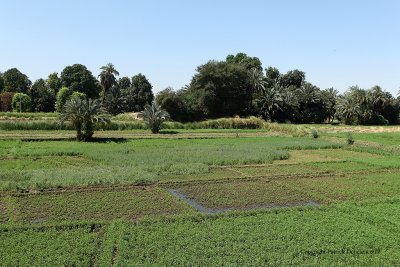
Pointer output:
200, 198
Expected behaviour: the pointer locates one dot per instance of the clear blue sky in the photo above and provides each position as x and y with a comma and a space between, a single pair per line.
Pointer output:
338, 43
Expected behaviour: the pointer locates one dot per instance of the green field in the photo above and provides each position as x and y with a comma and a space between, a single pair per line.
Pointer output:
200, 198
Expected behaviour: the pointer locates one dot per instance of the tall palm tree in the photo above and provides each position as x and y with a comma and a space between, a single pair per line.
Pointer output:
83, 114
348, 109
154, 115
270, 103
107, 77
257, 83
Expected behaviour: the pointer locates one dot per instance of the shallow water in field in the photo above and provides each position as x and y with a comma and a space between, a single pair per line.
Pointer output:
199, 207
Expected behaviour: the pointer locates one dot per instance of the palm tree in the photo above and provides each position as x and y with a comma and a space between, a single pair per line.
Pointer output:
83, 114
270, 103
107, 77
257, 83
348, 109
154, 115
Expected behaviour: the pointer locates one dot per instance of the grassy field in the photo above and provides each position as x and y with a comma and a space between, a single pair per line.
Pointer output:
201, 198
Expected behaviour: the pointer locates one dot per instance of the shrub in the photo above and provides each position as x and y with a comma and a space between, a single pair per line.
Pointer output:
314, 133
83, 114
350, 139
21, 102
62, 97
154, 116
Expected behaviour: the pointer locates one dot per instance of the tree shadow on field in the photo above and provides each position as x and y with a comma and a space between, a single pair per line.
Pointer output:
107, 140
168, 132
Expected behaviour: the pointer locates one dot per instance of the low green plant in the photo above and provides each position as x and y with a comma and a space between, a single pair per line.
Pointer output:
83, 114
314, 133
350, 139
154, 115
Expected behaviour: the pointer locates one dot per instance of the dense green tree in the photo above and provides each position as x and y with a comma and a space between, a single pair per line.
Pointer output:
62, 96
220, 89
154, 115
114, 102
43, 98
21, 103
54, 82
83, 114
272, 76
107, 77
294, 78
243, 59
78, 78
139, 94
174, 103
15, 81
1, 83
123, 83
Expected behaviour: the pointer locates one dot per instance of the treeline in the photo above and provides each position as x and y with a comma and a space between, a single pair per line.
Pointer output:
236, 86
125, 94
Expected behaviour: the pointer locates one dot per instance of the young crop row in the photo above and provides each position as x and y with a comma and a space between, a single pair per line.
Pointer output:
366, 234
100, 204
336, 236
65, 245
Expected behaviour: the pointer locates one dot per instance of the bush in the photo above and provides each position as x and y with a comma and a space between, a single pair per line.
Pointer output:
350, 139
77, 95
314, 133
62, 97
21, 102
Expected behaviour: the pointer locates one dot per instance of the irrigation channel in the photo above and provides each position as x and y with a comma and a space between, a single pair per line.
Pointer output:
199, 207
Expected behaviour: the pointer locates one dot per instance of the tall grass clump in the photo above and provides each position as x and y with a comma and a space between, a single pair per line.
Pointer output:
288, 129
227, 123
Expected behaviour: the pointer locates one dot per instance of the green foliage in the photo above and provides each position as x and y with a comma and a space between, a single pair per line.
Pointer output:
78, 95
314, 133
67, 245
1, 83
62, 96
368, 107
173, 103
78, 78
123, 83
139, 94
107, 77
66, 163
54, 82
21, 103
15, 81
219, 89
350, 139
43, 98
99, 205
243, 59
83, 114
154, 115
114, 101
295, 78
300, 237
